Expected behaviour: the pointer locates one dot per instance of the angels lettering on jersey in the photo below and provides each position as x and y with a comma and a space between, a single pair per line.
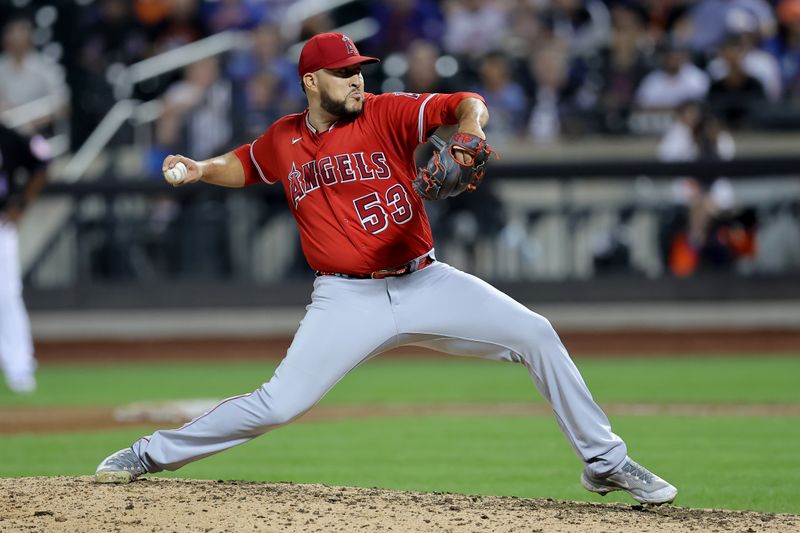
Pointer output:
334, 170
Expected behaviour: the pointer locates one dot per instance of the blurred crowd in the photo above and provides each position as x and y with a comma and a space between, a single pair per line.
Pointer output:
691, 71
548, 68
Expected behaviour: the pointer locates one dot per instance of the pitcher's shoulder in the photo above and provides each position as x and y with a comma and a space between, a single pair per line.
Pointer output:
288, 122
394, 96
286, 126
390, 101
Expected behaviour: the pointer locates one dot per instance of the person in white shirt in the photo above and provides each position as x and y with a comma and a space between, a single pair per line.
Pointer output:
474, 27
693, 135
677, 81
25, 74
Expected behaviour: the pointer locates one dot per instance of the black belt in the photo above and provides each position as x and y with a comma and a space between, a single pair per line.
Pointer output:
402, 270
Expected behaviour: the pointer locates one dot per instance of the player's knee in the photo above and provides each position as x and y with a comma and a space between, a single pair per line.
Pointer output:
541, 328
282, 414
279, 406
532, 334
541, 334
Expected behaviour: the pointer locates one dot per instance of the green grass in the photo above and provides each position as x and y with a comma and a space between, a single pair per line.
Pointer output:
714, 380
720, 462
714, 463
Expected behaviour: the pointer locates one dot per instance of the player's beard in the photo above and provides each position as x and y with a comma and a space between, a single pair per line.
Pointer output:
339, 109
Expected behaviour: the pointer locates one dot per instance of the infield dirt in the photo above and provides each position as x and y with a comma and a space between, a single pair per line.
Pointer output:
56, 504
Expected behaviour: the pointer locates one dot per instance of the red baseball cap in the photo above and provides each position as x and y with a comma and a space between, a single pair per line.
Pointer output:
330, 50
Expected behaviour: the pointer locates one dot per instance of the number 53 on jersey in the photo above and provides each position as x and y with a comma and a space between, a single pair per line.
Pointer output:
374, 211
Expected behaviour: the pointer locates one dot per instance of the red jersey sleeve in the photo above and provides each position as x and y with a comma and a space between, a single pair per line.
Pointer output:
255, 159
418, 115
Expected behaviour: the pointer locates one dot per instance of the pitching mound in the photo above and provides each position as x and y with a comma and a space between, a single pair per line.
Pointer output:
79, 504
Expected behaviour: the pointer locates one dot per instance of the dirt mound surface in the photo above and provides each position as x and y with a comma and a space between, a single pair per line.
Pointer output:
78, 504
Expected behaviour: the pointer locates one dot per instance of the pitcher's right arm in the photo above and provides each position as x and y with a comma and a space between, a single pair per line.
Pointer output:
225, 170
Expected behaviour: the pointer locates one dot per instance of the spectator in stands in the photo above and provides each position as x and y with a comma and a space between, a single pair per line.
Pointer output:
755, 62
525, 28
266, 52
668, 19
786, 46
112, 35
474, 27
182, 25
677, 81
737, 94
226, 15
196, 113
109, 35
584, 24
264, 101
422, 75
402, 22
273, 11
26, 75
682, 140
168, 24
712, 21
196, 117
263, 67
319, 23
699, 230
504, 96
621, 66
550, 105
151, 13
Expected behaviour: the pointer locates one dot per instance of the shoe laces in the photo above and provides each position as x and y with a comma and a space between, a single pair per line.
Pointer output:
637, 471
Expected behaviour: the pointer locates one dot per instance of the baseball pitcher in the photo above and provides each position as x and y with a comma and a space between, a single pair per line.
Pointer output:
347, 169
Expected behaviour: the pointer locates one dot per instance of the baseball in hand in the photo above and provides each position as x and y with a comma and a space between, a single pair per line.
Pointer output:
177, 173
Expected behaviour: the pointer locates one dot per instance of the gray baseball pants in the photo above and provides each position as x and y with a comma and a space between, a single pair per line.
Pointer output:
350, 321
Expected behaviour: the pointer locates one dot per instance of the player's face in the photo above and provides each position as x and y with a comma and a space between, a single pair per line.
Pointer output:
341, 91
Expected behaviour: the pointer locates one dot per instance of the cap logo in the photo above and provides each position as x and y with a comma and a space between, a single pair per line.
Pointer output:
328, 50
348, 43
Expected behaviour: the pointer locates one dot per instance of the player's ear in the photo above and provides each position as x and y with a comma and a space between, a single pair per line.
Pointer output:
310, 81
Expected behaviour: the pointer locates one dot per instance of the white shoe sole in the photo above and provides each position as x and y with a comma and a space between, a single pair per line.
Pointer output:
602, 490
118, 476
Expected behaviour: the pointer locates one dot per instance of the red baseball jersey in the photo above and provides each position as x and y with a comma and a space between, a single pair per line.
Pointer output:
349, 188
